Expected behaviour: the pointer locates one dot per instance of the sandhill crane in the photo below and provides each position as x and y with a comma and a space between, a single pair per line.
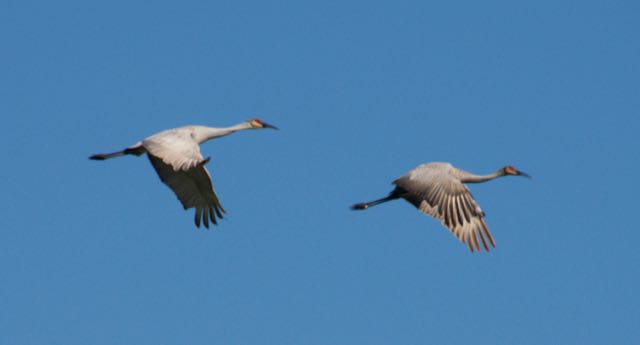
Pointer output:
438, 190
175, 154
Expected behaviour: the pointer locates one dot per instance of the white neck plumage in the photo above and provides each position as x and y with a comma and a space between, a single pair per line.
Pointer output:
482, 178
208, 133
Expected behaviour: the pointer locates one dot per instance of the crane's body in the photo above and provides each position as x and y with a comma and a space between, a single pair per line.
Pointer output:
175, 155
438, 189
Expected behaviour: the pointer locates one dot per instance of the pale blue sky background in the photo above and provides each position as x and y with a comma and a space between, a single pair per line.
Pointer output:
102, 253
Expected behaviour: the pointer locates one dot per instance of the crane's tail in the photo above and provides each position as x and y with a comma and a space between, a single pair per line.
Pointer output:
134, 150
366, 205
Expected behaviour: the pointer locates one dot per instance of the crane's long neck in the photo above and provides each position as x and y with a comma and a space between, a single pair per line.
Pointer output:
471, 178
207, 133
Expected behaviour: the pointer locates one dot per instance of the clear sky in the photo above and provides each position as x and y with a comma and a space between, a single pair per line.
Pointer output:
102, 252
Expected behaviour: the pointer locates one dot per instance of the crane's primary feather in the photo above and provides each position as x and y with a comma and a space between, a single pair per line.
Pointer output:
193, 188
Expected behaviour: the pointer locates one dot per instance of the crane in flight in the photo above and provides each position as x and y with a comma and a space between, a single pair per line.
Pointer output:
438, 189
175, 155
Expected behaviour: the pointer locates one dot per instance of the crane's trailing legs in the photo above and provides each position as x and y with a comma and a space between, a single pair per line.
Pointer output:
395, 194
137, 150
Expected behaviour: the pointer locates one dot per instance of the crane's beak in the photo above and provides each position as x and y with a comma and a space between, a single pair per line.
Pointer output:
266, 125
522, 173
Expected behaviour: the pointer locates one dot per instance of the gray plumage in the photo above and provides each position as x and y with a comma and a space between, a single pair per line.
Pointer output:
175, 155
438, 189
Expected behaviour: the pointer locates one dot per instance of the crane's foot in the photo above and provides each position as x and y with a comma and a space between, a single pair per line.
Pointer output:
360, 207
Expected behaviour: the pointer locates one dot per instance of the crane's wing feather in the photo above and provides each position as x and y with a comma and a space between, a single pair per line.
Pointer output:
444, 197
193, 188
175, 148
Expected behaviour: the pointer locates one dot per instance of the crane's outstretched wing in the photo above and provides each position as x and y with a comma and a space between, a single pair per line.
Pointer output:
449, 200
174, 147
193, 188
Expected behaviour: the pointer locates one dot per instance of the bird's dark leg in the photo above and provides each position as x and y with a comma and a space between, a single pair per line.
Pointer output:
136, 150
103, 156
395, 194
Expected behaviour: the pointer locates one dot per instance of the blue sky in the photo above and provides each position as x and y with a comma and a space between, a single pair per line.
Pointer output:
102, 253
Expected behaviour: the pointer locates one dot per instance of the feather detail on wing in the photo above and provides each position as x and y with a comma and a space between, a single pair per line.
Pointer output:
192, 185
175, 148
449, 200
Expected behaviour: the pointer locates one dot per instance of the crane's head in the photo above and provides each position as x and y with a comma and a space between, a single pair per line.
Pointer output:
510, 170
258, 124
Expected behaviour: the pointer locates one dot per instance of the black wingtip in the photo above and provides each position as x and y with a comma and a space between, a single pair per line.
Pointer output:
218, 211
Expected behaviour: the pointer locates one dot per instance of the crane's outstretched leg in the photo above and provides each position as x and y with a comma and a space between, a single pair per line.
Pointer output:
395, 194
137, 150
